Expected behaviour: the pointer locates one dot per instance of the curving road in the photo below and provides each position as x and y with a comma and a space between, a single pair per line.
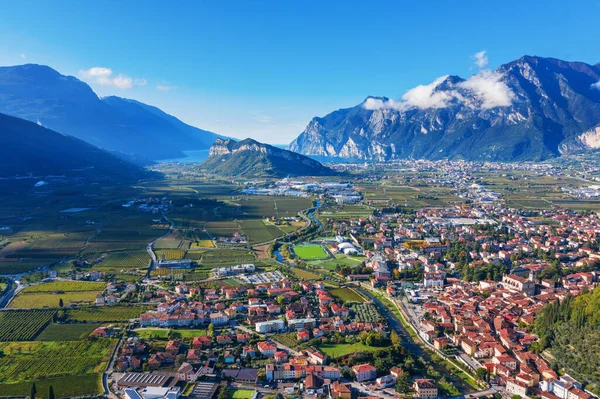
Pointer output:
149, 247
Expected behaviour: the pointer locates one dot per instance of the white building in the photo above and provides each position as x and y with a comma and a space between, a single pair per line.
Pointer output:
269, 326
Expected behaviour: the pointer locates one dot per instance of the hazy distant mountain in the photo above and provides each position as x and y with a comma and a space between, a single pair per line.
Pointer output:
64, 103
529, 109
28, 148
251, 158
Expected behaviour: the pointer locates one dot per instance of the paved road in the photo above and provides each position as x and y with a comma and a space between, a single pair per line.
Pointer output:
109, 370
370, 390
479, 394
149, 247
10, 294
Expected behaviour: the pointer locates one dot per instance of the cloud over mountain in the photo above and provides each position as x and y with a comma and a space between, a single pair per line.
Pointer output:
483, 90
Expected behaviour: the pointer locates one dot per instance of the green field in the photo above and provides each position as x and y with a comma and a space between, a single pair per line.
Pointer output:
65, 286
125, 260
310, 252
64, 386
257, 231
337, 350
51, 300
240, 393
165, 333
36, 360
66, 332
340, 260
23, 325
287, 339
105, 313
226, 257
305, 274
346, 295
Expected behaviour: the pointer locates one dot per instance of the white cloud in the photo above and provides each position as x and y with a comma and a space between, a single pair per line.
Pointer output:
483, 90
23, 56
105, 77
164, 88
422, 97
596, 85
481, 59
425, 96
489, 90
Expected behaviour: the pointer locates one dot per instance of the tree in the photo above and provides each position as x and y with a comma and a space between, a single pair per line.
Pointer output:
211, 330
179, 359
60, 303
51, 392
396, 341
515, 397
481, 373
403, 384
222, 393
33, 391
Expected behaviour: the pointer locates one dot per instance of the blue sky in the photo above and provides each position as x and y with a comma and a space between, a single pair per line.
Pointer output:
263, 69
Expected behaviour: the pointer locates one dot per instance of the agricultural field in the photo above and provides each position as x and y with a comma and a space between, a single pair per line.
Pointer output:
105, 313
181, 274
202, 244
367, 313
257, 207
64, 386
257, 231
337, 350
292, 227
340, 260
222, 229
170, 254
23, 325
287, 339
346, 212
310, 252
66, 332
194, 254
131, 232
227, 257
168, 333
51, 300
65, 286
23, 361
125, 260
305, 274
346, 295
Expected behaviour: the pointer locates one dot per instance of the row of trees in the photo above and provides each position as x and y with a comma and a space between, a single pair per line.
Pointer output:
34, 392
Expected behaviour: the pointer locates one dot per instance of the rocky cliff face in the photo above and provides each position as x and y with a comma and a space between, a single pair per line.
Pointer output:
530, 109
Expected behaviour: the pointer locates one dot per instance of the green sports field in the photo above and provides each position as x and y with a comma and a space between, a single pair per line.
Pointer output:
310, 252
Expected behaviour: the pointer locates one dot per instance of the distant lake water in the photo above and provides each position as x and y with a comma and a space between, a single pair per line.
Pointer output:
195, 156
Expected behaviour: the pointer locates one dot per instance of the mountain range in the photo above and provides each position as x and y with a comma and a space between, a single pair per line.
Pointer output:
30, 149
251, 158
533, 108
67, 105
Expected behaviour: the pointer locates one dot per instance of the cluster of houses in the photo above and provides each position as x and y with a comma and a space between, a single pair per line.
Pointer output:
487, 321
